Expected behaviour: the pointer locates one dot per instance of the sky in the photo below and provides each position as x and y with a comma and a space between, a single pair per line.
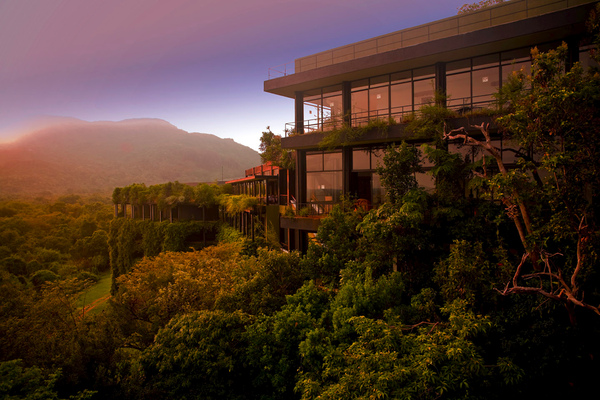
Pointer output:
198, 64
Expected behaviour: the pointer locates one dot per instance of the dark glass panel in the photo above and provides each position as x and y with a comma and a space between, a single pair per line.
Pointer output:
423, 92
379, 102
380, 81
360, 108
517, 54
313, 113
332, 161
491, 60
401, 100
312, 94
485, 83
361, 159
401, 77
332, 90
458, 90
359, 85
426, 72
314, 162
332, 111
323, 186
458, 66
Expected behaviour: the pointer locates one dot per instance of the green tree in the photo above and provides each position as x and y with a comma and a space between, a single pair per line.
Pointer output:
554, 115
398, 171
271, 150
199, 355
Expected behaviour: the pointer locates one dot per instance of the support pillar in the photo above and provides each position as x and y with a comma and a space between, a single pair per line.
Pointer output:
440, 82
299, 117
347, 103
572, 52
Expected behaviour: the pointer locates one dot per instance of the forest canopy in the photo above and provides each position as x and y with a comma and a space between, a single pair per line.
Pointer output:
433, 295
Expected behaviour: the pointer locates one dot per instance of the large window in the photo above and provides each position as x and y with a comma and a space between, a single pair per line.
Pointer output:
423, 86
394, 95
323, 176
365, 182
360, 102
323, 108
471, 83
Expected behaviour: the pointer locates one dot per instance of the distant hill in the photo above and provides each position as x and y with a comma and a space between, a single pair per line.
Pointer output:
74, 156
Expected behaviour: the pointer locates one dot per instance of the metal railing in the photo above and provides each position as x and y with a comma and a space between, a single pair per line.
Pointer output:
463, 106
281, 70
313, 209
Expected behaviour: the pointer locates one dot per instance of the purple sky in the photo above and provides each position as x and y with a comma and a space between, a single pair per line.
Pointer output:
198, 64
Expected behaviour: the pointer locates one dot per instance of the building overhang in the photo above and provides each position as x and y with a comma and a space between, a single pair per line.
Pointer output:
395, 134
528, 32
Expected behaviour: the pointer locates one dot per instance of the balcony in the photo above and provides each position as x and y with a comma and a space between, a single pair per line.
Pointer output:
466, 106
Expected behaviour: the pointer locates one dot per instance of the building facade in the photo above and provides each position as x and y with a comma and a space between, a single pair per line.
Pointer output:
465, 57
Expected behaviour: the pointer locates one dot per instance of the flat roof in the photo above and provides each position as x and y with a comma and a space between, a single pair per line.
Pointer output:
509, 25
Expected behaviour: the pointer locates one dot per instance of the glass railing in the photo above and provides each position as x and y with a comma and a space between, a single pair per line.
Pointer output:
463, 106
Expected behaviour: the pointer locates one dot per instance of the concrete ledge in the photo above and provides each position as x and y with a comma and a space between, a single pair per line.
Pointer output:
302, 223
395, 134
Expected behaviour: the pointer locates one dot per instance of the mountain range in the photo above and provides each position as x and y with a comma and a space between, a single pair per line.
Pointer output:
64, 156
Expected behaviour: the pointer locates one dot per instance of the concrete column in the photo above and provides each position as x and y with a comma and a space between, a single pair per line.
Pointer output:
300, 176
346, 169
299, 105
440, 80
572, 52
347, 103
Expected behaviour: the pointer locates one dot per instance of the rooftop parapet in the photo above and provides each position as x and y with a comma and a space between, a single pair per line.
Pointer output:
509, 11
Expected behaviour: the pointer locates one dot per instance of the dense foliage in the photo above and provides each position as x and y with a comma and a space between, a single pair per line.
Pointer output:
170, 194
434, 295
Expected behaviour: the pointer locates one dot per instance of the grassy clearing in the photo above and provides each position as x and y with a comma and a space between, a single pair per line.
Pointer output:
97, 294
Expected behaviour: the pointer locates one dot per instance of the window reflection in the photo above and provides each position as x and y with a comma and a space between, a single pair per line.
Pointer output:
323, 108
470, 83
314, 162
423, 92
361, 159
360, 108
323, 186
458, 90
485, 83
324, 176
401, 100
332, 161
379, 102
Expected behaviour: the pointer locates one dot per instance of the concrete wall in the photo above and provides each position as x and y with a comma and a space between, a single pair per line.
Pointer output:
491, 16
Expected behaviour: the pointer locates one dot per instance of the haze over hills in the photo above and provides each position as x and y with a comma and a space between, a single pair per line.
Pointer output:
73, 156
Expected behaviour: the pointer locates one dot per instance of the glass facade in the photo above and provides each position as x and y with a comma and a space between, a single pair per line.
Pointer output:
365, 183
323, 177
323, 108
392, 95
470, 84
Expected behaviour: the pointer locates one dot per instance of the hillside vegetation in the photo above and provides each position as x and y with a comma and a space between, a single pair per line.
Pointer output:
433, 295
73, 156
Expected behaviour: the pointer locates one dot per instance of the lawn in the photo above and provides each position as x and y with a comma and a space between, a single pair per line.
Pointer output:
95, 298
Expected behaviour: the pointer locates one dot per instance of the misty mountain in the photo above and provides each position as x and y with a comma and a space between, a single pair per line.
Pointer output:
73, 156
